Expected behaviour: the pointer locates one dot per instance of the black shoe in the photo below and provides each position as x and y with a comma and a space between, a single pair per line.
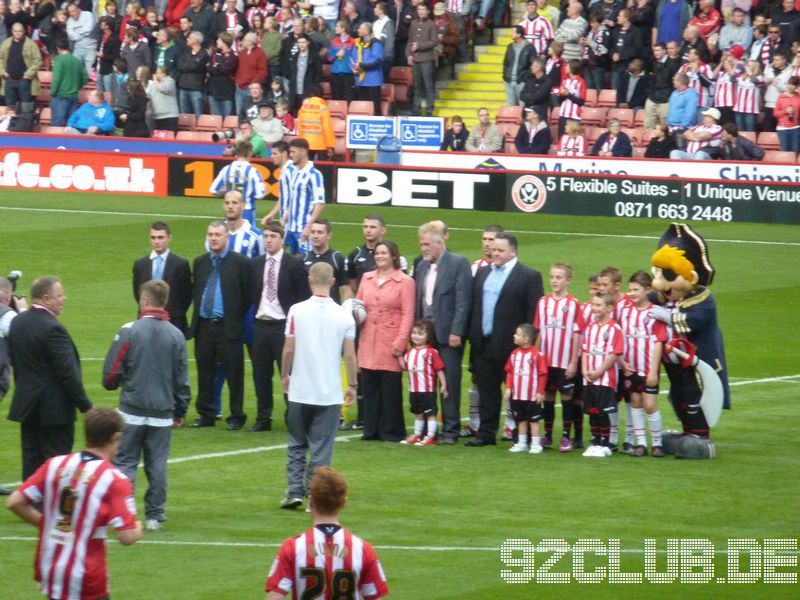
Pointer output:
614, 447
627, 448
356, 425
202, 423
577, 443
235, 426
291, 503
448, 441
5, 491
480, 442
261, 426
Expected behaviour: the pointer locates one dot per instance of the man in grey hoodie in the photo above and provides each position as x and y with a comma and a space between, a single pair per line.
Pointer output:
148, 359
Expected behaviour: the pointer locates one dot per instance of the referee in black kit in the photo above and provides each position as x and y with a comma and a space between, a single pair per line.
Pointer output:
321, 251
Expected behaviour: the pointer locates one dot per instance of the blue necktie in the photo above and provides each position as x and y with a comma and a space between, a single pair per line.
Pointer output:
158, 272
211, 288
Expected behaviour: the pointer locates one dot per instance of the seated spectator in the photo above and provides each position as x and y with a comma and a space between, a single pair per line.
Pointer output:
221, 68
595, 52
572, 143
69, 76
455, 138
485, 136
572, 95
787, 114
135, 115
305, 71
192, 74
342, 54
634, 86
683, 105
701, 139
256, 97
571, 31
736, 32
134, 51
735, 147
314, 124
534, 136
275, 92
247, 134
252, 68
93, 118
284, 115
163, 94
661, 144
266, 125
368, 67
613, 142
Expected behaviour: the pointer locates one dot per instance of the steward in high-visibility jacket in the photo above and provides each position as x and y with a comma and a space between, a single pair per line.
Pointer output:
314, 124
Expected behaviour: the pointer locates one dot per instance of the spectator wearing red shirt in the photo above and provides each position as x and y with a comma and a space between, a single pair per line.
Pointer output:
787, 112
708, 22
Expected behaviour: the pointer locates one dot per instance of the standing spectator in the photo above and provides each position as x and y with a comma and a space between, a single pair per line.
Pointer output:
550, 12
485, 136
271, 41
516, 65
726, 6
163, 95
203, 19
672, 17
221, 68
342, 54
108, 49
787, 18
422, 40
572, 142
737, 148
80, 30
305, 72
318, 35
664, 69
289, 49
571, 30
747, 103
536, 91
572, 94
368, 67
736, 32
444, 294
183, 35
448, 34
252, 68
458, 11
404, 12
626, 44
165, 53
534, 137
556, 69
384, 31
192, 75
84, 477
643, 14
613, 142
134, 18
455, 138
683, 105
693, 41
787, 114
69, 76
135, 52
387, 292
119, 89
773, 43
232, 21
504, 295
134, 117
633, 87
319, 333
538, 30
661, 143
222, 295
327, 10
173, 11
701, 139
776, 77
148, 360
48, 385
20, 61
351, 15
708, 22
725, 76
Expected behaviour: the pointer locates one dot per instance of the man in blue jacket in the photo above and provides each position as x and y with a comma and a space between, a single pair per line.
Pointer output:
683, 103
94, 117
368, 67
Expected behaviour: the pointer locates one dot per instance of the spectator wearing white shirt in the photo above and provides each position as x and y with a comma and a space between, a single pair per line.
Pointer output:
80, 31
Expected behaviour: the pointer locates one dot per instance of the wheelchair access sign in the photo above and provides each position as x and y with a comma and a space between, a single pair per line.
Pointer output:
421, 133
363, 132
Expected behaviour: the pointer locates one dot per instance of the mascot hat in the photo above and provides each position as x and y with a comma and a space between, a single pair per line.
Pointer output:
683, 250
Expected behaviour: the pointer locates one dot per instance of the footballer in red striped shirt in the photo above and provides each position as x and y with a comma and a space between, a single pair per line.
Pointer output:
326, 561
526, 378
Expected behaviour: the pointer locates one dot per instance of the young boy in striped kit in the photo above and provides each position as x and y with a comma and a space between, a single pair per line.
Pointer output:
560, 323
526, 378
425, 368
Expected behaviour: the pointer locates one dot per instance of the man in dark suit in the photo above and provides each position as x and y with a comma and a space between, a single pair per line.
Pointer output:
444, 295
47, 377
168, 266
279, 281
504, 295
221, 299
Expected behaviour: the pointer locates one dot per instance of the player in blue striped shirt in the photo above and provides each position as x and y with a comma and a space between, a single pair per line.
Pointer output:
240, 175
280, 158
306, 198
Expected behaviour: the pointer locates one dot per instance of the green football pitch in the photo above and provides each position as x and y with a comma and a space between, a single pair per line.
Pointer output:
439, 516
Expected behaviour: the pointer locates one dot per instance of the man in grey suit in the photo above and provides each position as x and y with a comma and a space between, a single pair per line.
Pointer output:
444, 288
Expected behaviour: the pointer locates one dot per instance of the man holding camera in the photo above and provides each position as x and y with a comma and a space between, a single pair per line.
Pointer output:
246, 134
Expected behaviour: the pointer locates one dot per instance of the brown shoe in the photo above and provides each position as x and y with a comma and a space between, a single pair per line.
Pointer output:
639, 451
658, 452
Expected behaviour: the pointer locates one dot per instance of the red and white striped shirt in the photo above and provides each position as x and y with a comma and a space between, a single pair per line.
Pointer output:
620, 305
233, 27
539, 32
696, 73
526, 373
723, 91
586, 313
716, 137
642, 333
569, 109
327, 561
81, 495
572, 146
599, 341
423, 364
481, 262
558, 320
748, 94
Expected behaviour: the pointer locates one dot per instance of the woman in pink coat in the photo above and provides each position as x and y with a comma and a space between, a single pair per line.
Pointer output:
388, 294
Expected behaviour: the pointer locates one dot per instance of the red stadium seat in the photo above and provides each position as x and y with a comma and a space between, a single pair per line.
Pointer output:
592, 134
750, 135
44, 95
163, 134
326, 89
195, 136
778, 156
209, 123
361, 107
638, 118
635, 135
45, 117
187, 122
230, 122
45, 78
591, 97
607, 98
403, 80
625, 116
593, 116
509, 147
50, 130
509, 114
338, 108
509, 131
326, 71
639, 152
768, 140
339, 126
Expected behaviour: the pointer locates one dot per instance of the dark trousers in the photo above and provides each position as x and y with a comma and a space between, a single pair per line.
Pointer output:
18, 90
383, 405
489, 376
267, 349
342, 86
451, 406
40, 442
371, 94
170, 124
210, 347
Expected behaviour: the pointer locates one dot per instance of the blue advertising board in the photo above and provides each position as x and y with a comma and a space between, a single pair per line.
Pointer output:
420, 133
363, 132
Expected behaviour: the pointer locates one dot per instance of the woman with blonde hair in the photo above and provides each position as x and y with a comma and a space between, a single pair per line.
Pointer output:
572, 143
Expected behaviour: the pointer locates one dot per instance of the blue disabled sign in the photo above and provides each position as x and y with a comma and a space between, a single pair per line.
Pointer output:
421, 133
363, 132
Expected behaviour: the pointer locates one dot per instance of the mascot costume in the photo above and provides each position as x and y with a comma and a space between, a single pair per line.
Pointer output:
695, 358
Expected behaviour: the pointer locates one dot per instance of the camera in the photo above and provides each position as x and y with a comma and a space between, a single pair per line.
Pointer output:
227, 134
13, 277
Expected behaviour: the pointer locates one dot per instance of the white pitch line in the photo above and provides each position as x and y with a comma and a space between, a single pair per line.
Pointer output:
352, 224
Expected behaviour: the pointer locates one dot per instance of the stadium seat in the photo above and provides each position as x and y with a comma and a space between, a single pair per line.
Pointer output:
593, 116
326, 71
554, 133
607, 98
639, 152
625, 116
509, 131
326, 89
45, 78
591, 98
778, 156
768, 140
386, 108
45, 117
403, 80
339, 126
647, 135
209, 123
638, 118
187, 122
163, 134
195, 136
230, 122
750, 135
509, 114
340, 147
553, 150
50, 130
635, 135
387, 92
509, 147
338, 108
361, 107
44, 95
